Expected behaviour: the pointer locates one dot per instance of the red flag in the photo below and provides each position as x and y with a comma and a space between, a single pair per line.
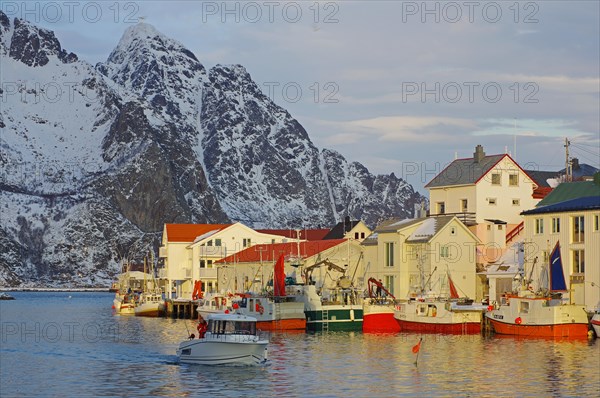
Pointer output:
279, 278
453, 291
417, 347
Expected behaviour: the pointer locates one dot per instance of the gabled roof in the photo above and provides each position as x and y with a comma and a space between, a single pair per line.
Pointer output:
305, 234
271, 252
340, 229
189, 232
464, 171
570, 190
578, 204
396, 224
581, 170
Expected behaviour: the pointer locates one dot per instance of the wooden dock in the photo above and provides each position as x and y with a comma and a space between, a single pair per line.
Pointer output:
181, 309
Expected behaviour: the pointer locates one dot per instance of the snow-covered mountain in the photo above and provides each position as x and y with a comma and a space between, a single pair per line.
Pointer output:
96, 158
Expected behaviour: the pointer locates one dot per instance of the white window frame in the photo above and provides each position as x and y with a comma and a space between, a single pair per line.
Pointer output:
538, 226
388, 254
555, 225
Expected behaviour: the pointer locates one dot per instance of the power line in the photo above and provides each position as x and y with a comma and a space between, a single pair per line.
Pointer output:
582, 148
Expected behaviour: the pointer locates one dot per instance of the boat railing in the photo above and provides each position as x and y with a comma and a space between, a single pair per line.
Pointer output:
237, 337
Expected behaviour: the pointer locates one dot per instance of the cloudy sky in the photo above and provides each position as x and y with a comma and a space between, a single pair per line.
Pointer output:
399, 86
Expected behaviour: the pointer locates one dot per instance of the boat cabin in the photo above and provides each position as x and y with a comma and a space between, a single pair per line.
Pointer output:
225, 325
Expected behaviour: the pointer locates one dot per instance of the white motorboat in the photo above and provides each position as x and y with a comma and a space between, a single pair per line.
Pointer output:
229, 339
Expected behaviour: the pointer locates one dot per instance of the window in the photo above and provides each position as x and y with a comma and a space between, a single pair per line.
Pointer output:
491, 201
445, 251
362, 235
555, 225
388, 283
578, 261
441, 207
356, 235
499, 227
202, 263
596, 222
464, 205
513, 180
247, 242
209, 243
389, 254
578, 229
495, 178
217, 242
539, 226
516, 202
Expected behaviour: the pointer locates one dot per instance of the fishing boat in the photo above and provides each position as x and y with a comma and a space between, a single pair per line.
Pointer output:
378, 309
433, 313
150, 302
541, 313
279, 309
124, 303
214, 303
127, 295
230, 338
331, 308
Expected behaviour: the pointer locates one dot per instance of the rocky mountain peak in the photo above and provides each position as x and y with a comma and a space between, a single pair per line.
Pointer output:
163, 141
157, 68
30, 44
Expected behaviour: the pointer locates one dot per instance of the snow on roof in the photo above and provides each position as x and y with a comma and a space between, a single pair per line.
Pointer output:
425, 230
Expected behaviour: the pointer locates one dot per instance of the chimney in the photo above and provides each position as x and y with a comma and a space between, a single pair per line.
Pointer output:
347, 224
575, 164
478, 155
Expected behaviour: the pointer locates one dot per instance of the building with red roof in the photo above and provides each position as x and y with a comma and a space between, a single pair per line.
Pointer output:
251, 269
189, 252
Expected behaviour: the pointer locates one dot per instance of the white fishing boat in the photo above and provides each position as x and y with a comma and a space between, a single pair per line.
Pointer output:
432, 313
215, 303
229, 339
124, 303
542, 313
279, 309
150, 303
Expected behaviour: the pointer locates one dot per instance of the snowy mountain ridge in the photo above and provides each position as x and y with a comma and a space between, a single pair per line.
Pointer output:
96, 159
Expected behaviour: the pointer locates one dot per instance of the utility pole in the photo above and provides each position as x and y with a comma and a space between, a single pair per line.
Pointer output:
568, 171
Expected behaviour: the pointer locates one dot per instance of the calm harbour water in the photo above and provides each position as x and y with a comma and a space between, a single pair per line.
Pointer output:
70, 344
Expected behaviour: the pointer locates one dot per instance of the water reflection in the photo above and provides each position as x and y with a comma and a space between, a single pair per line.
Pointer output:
123, 356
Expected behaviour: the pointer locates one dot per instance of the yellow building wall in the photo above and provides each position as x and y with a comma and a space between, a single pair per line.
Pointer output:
504, 193
583, 292
477, 195
361, 229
